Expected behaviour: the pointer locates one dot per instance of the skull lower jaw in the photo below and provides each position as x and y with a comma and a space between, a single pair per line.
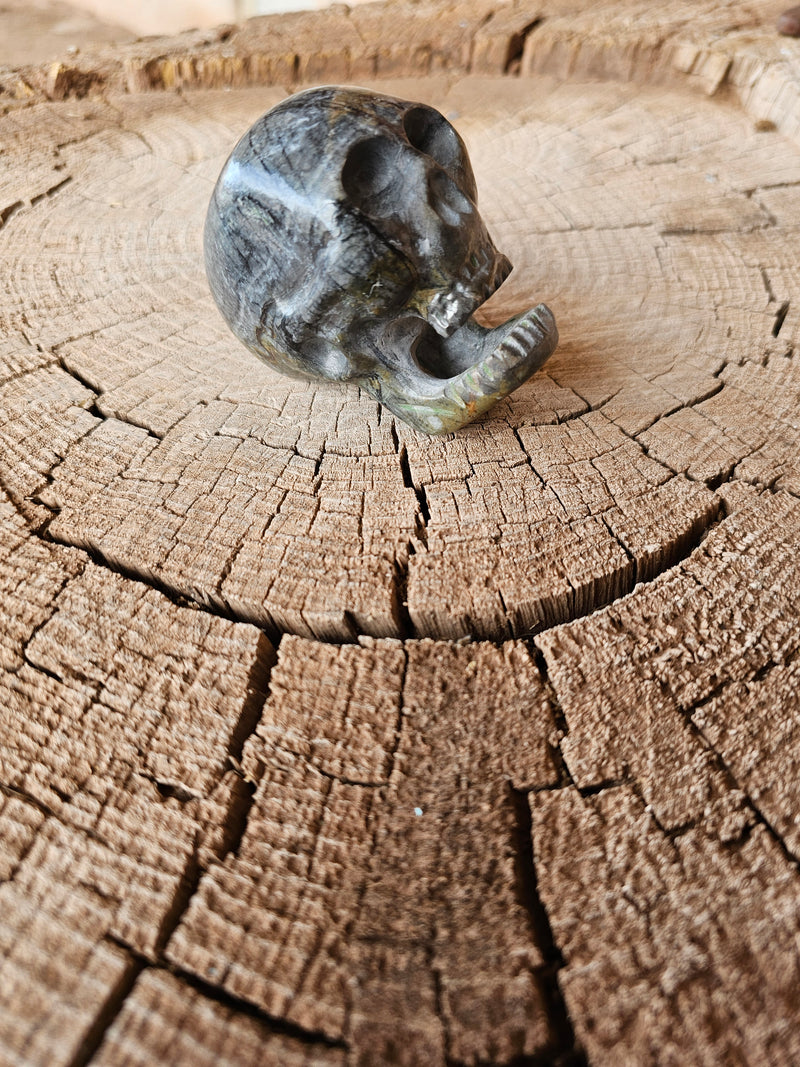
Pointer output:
435, 403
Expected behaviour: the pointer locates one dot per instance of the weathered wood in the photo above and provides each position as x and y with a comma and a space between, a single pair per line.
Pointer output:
572, 834
681, 709
380, 853
164, 1019
679, 950
121, 712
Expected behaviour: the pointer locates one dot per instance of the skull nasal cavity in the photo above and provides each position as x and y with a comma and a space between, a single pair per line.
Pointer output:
372, 176
447, 200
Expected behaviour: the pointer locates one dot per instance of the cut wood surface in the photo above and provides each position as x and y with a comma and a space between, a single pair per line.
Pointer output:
322, 741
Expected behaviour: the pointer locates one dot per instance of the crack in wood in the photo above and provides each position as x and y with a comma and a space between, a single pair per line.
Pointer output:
225, 999
218, 605
8, 212
439, 998
691, 712
48, 193
566, 1049
234, 822
43, 809
516, 46
96, 407
768, 286
419, 491
780, 317
173, 593
108, 1012
68, 577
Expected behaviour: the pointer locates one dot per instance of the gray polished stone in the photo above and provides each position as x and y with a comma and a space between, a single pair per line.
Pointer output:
343, 242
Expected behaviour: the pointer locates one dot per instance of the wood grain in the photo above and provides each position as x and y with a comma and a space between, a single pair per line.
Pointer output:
379, 853
323, 742
677, 949
121, 712
165, 1019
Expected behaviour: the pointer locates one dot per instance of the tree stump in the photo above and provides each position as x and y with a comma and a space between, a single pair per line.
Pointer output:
324, 742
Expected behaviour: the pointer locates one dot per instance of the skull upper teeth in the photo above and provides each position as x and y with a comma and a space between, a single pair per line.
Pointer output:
451, 309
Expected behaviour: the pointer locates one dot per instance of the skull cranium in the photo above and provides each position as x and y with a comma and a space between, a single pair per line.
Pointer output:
343, 242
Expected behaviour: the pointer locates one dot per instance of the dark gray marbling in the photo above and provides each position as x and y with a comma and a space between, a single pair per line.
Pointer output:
343, 242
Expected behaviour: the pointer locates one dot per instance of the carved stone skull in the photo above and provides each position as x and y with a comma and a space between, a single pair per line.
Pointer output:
343, 242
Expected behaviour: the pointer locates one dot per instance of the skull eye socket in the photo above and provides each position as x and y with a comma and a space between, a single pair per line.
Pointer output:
372, 176
431, 133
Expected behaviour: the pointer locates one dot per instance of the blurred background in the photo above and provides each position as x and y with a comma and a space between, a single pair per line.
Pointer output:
170, 16
34, 31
